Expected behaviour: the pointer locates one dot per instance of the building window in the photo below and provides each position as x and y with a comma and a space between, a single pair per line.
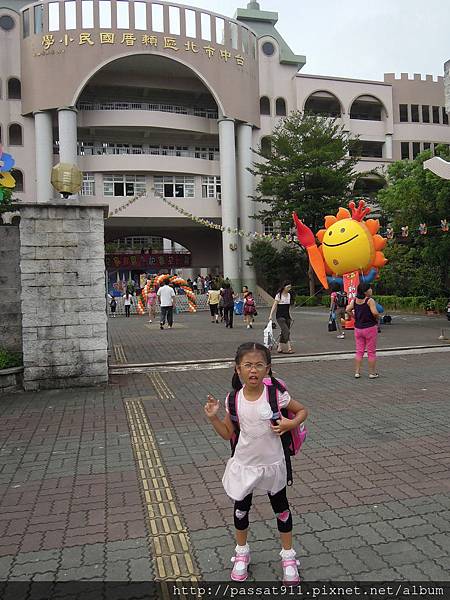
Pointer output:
266, 146
264, 105
323, 104
38, 18
436, 114
170, 186
234, 35
269, 228
104, 9
415, 149
366, 108
444, 116
403, 113
6, 23
70, 14
425, 114
15, 137
426, 145
268, 49
220, 31
280, 107
415, 113
18, 176
405, 150
123, 185
205, 24
190, 23
26, 22
367, 149
14, 89
53, 16
211, 187
88, 187
208, 153
123, 15
87, 14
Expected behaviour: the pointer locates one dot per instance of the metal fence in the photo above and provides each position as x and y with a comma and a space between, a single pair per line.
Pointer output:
196, 111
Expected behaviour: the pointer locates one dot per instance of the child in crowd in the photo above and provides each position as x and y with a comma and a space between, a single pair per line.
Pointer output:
113, 306
258, 461
249, 309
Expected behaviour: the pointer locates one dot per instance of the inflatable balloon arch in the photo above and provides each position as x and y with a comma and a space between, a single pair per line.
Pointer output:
153, 284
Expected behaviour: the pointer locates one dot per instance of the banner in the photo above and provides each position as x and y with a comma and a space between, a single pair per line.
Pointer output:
350, 281
144, 261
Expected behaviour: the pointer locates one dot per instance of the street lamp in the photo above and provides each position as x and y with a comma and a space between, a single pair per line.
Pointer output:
66, 179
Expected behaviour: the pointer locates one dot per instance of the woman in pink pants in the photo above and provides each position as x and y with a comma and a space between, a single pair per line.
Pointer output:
364, 310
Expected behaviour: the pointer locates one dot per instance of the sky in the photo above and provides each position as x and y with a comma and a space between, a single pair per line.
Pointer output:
360, 39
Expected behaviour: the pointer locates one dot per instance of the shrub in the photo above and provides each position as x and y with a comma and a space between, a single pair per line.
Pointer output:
10, 359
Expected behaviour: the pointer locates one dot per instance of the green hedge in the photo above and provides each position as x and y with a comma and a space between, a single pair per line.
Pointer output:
10, 359
410, 303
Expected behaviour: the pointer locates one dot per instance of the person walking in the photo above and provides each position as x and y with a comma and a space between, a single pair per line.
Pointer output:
151, 305
128, 301
363, 309
281, 309
258, 461
228, 304
113, 306
338, 305
213, 301
166, 297
249, 309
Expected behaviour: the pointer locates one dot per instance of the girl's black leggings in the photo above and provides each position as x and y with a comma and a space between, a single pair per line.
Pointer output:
280, 507
127, 310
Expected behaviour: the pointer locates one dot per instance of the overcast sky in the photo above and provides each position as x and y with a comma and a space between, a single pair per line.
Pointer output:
359, 38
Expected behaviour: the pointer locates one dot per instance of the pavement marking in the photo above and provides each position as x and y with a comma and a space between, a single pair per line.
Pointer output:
119, 353
172, 550
161, 387
226, 363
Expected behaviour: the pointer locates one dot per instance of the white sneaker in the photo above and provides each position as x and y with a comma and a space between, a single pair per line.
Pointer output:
341, 336
290, 566
248, 326
240, 560
373, 376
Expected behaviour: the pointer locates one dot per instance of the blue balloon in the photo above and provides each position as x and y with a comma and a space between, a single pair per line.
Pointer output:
8, 162
380, 309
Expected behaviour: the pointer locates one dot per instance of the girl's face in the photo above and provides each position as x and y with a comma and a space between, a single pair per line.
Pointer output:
253, 368
369, 292
287, 288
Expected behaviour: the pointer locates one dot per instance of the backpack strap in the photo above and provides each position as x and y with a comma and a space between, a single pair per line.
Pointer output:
286, 439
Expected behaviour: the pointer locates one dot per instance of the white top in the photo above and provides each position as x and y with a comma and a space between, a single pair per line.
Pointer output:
129, 300
283, 298
166, 295
258, 462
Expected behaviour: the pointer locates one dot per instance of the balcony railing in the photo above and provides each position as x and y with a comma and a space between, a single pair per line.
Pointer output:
100, 150
195, 111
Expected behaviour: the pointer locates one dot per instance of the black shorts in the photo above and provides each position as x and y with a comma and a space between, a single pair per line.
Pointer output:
214, 309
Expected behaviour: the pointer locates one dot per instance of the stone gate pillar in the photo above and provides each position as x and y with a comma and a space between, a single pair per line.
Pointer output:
62, 271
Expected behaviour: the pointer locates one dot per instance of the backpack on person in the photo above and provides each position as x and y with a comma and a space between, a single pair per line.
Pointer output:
250, 305
341, 300
292, 440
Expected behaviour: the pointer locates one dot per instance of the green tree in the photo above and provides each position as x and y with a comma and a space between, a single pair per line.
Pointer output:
413, 196
6, 199
272, 266
307, 169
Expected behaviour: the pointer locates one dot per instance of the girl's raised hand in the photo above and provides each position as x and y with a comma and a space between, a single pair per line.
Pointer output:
211, 406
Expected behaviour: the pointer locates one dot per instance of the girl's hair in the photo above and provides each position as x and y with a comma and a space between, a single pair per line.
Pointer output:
226, 285
362, 289
241, 352
335, 287
283, 285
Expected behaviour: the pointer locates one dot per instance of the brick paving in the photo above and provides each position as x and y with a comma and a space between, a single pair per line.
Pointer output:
194, 337
371, 497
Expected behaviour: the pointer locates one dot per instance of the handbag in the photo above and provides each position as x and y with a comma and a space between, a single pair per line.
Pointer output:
332, 323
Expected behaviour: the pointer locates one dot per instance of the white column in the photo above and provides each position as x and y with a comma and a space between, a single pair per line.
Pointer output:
246, 204
229, 200
67, 124
43, 137
388, 146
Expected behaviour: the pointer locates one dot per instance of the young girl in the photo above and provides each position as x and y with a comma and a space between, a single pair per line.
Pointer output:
280, 307
249, 309
363, 309
258, 462
151, 305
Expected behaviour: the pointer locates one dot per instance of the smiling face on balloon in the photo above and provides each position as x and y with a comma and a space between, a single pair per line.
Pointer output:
347, 246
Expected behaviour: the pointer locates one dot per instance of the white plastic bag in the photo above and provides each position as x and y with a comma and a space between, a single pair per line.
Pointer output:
269, 339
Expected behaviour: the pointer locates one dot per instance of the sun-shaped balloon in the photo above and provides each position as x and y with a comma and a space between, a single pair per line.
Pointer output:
347, 244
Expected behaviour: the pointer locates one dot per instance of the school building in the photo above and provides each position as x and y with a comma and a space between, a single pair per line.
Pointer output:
160, 99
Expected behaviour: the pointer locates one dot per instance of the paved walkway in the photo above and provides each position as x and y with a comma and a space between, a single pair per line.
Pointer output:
124, 482
194, 337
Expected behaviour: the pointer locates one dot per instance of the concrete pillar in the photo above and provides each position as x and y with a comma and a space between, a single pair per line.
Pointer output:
43, 134
67, 124
246, 204
167, 245
388, 146
229, 201
62, 278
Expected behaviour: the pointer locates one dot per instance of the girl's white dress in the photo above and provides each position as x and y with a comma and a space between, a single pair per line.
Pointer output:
258, 462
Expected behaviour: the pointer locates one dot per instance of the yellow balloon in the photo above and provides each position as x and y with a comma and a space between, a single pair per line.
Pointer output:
7, 180
348, 246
